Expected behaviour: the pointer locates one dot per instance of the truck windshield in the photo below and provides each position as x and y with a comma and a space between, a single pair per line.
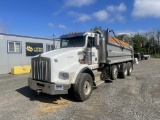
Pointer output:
78, 41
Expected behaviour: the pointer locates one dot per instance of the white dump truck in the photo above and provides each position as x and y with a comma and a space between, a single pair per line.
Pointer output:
84, 60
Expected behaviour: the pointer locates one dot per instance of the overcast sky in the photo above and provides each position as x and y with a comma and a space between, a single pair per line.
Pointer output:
43, 18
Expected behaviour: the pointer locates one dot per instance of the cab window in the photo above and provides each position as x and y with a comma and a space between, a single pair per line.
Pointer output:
90, 42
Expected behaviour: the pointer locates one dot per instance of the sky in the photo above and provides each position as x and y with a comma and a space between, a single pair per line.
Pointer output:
52, 18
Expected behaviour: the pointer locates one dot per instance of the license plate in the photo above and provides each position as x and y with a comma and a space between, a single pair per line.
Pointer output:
58, 87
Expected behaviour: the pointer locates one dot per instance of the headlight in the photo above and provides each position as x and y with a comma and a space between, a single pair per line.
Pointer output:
63, 75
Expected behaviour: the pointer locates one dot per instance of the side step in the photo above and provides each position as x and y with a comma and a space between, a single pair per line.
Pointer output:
98, 81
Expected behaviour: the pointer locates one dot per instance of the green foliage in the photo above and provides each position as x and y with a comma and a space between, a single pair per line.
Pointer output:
125, 38
155, 56
144, 43
120, 37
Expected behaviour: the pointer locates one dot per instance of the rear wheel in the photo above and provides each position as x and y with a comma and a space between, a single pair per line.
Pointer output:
84, 87
114, 72
129, 68
123, 72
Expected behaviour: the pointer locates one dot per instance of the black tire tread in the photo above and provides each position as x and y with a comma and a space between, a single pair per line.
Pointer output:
129, 65
121, 73
78, 94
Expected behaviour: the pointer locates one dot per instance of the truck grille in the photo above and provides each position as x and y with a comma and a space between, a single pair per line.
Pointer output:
41, 69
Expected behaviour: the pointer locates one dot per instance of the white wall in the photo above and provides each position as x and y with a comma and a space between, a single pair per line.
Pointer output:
8, 60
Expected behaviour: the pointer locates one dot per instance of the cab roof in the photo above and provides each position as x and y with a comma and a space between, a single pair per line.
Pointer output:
73, 34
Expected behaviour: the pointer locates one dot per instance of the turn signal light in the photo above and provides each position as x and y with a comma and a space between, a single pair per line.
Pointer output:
72, 32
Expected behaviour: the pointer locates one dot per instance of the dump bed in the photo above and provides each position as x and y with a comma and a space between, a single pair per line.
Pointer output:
118, 51
118, 42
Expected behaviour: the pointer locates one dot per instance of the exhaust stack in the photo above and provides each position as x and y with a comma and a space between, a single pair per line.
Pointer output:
103, 46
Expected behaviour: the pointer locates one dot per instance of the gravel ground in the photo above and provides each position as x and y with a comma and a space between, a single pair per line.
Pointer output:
135, 98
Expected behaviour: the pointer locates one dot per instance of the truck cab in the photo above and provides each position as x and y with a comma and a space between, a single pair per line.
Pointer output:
85, 41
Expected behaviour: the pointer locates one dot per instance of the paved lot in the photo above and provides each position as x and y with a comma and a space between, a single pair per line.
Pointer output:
135, 98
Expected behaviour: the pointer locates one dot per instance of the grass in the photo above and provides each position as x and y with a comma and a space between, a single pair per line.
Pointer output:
155, 56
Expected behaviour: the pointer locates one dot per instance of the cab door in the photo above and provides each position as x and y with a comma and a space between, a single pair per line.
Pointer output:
94, 51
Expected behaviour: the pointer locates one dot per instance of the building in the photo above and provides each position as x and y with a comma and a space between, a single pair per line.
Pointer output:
17, 50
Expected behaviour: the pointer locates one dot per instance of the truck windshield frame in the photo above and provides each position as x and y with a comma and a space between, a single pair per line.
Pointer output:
77, 41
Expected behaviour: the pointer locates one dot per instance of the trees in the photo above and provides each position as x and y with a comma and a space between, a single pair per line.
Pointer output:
153, 42
126, 38
148, 43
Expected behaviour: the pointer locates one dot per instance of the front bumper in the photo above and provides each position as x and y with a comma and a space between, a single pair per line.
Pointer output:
49, 88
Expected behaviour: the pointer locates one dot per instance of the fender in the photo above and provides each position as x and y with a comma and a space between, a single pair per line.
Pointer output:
84, 70
75, 71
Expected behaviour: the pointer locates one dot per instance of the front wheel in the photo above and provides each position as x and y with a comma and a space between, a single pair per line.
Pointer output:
84, 87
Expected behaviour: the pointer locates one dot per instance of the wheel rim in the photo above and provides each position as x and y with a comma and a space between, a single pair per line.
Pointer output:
130, 70
125, 71
87, 87
115, 72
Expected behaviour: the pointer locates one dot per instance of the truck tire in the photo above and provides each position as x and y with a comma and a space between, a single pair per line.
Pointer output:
114, 72
123, 72
84, 87
146, 58
129, 68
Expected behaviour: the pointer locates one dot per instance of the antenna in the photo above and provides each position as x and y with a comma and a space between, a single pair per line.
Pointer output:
53, 42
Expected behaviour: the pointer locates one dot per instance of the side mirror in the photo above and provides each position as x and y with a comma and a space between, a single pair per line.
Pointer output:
96, 39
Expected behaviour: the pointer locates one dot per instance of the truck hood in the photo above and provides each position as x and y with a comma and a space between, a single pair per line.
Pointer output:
63, 60
60, 52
